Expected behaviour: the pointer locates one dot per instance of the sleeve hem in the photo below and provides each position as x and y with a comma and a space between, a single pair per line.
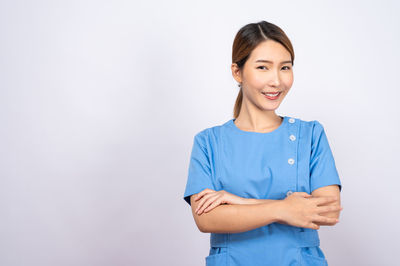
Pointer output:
327, 184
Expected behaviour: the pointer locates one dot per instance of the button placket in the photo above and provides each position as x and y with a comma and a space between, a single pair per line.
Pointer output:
291, 160
292, 138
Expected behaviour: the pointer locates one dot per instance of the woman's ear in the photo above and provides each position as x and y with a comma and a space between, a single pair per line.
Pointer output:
236, 72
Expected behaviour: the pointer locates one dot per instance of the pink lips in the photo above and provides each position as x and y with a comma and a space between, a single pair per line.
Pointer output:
271, 97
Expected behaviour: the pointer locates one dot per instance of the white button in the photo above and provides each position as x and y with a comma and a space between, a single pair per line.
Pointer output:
291, 120
291, 161
289, 193
292, 137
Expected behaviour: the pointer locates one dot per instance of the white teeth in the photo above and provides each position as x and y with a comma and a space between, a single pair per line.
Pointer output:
272, 95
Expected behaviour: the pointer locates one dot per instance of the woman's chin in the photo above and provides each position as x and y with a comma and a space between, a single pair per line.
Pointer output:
270, 106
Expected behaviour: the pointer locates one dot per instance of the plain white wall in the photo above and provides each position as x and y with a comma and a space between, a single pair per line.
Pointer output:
100, 100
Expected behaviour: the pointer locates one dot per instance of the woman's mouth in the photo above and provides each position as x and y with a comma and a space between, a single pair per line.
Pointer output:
271, 96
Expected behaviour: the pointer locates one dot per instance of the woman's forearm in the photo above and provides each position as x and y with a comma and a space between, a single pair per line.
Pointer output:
259, 201
238, 218
256, 201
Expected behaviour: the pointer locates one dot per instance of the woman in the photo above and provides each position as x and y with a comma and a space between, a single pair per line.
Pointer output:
261, 183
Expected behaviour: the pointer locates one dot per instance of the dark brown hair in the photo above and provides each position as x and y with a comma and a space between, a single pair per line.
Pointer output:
247, 38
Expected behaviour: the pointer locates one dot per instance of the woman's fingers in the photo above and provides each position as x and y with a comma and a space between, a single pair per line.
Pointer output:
324, 219
324, 209
324, 200
313, 226
203, 199
208, 200
213, 205
202, 193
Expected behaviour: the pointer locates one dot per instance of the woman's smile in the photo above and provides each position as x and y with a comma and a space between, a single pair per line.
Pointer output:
272, 96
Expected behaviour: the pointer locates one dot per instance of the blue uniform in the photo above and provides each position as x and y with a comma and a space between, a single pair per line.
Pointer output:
294, 157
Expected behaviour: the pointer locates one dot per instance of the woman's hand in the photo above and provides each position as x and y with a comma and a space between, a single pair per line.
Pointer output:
302, 210
209, 199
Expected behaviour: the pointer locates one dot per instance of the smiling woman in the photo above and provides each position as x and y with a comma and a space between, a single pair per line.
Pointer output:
261, 183
262, 62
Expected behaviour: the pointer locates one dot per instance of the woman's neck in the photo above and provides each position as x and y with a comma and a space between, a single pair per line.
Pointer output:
262, 122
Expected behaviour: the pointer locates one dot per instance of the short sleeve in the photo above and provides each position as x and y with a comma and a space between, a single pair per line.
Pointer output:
199, 173
323, 170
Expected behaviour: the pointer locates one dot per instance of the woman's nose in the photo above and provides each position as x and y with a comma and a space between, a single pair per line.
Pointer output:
275, 80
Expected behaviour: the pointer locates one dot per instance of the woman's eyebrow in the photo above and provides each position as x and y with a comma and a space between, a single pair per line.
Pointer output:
268, 61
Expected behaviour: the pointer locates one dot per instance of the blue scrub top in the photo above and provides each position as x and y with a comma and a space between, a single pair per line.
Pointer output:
294, 157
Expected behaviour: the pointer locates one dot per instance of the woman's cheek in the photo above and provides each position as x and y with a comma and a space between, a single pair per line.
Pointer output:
258, 82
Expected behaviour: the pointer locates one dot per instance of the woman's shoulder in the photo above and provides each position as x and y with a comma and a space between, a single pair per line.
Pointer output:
313, 128
311, 124
211, 132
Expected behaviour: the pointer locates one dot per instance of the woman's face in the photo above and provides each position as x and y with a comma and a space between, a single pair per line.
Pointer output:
268, 69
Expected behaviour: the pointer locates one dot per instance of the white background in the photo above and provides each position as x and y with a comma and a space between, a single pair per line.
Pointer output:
100, 100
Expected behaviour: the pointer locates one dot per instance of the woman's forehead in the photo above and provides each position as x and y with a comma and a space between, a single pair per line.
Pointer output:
271, 52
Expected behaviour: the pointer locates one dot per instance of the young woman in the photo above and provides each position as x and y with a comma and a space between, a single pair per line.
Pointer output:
261, 183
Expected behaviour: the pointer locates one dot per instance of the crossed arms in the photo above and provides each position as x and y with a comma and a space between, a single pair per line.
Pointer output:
254, 213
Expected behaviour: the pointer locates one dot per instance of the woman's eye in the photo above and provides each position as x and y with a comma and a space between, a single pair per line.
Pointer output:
263, 67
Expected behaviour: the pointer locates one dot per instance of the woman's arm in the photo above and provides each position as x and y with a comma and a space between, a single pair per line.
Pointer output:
256, 201
326, 191
235, 218
297, 209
